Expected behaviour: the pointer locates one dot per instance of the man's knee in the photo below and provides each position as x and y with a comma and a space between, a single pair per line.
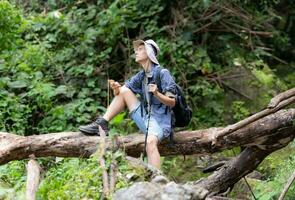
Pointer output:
124, 90
152, 142
129, 97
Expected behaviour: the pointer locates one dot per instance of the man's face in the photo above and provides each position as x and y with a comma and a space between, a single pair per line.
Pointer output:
140, 54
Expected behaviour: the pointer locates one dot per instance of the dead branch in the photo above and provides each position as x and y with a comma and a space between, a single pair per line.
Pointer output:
287, 186
280, 97
242, 123
102, 149
33, 178
113, 175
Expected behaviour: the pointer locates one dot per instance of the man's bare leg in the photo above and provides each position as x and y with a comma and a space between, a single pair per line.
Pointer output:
152, 151
125, 97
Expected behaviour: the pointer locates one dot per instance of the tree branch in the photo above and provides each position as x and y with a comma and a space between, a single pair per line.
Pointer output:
101, 151
33, 178
229, 129
287, 186
280, 97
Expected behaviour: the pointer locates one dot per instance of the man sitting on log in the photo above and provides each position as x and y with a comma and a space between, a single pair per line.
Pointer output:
153, 113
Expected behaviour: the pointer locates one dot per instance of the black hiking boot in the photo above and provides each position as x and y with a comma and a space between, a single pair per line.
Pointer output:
92, 128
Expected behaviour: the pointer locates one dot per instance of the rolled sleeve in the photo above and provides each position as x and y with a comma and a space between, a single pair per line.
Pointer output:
170, 94
168, 84
134, 83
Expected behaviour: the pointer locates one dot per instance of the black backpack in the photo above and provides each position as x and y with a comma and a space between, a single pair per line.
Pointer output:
182, 114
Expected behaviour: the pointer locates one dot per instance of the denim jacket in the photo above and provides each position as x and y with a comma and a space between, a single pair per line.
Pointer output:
159, 111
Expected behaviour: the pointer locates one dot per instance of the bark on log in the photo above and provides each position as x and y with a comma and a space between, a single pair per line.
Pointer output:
273, 130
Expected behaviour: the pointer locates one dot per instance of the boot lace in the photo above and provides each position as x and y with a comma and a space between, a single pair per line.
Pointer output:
91, 124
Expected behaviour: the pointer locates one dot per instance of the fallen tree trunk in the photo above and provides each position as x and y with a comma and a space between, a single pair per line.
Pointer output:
273, 130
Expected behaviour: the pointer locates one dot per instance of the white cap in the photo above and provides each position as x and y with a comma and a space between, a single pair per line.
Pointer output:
151, 47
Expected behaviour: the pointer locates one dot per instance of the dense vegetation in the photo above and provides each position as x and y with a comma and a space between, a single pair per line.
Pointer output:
230, 57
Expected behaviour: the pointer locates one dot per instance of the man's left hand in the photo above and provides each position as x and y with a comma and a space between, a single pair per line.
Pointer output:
153, 88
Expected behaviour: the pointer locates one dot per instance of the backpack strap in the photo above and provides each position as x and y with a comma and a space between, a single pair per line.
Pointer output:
158, 78
141, 106
159, 85
142, 99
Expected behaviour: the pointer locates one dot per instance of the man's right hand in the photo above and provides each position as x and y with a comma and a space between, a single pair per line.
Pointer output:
115, 86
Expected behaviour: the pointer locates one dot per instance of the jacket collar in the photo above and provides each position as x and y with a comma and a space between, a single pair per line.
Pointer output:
151, 73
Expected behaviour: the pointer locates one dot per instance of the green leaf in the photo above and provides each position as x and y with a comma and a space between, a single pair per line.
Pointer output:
17, 84
61, 89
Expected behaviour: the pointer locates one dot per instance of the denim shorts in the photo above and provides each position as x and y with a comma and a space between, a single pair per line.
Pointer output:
142, 120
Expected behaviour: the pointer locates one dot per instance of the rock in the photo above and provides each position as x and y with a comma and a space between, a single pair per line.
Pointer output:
161, 191
160, 180
197, 192
141, 190
173, 191
255, 175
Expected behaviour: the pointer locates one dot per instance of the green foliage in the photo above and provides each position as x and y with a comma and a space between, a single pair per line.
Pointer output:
10, 22
79, 178
180, 170
60, 70
239, 110
277, 175
73, 178
12, 113
12, 174
12, 180
122, 125
264, 76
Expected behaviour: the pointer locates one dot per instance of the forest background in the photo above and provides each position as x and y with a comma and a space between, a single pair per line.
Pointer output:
230, 57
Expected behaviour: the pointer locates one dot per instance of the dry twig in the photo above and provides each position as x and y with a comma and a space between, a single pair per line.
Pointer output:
101, 159
231, 128
287, 186
33, 178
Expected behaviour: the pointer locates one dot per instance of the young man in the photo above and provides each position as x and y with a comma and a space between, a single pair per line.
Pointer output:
143, 83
